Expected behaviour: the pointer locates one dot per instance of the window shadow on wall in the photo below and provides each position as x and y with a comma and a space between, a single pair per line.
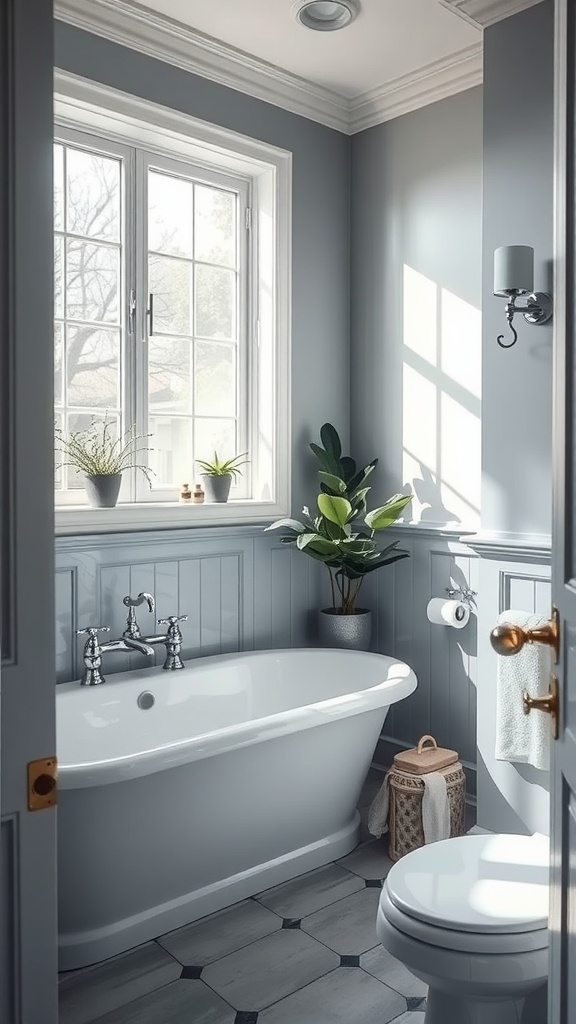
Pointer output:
441, 429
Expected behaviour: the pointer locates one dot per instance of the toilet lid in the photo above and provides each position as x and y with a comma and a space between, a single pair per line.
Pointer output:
482, 883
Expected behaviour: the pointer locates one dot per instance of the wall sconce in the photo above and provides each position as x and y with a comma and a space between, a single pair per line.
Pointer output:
514, 276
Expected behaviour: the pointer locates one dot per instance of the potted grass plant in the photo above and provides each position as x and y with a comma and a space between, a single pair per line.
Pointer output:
342, 536
218, 475
102, 458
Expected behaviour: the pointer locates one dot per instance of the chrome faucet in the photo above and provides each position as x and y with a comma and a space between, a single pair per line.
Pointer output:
93, 651
172, 638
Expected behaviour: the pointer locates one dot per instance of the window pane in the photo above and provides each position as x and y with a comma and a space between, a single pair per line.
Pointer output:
170, 282
169, 374
93, 367
212, 435
58, 187
215, 303
93, 195
171, 457
82, 421
92, 281
215, 226
169, 214
58, 276
215, 379
58, 363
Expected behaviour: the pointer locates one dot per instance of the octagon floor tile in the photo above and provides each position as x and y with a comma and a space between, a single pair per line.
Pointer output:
310, 892
341, 997
382, 965
268, 970
220, 934
182, 1002
347, 927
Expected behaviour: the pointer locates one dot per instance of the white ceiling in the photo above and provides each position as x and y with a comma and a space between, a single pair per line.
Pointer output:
389, 39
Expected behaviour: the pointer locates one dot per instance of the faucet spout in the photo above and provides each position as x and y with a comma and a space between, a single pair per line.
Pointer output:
133, 644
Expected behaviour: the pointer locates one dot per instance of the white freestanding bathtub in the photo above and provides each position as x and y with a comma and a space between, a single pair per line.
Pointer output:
181, 793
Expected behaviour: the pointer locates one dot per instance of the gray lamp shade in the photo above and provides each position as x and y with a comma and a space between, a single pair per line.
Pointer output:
513, 270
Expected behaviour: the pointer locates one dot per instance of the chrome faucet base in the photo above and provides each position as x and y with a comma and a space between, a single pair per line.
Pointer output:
173, 662
92, 677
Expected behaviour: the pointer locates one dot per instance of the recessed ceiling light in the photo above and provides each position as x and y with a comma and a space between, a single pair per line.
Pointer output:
325, 15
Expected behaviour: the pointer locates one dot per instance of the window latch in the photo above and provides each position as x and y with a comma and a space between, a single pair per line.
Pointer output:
150, 314
132, 312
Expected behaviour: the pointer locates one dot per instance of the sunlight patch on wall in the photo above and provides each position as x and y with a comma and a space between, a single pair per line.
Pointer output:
441, 424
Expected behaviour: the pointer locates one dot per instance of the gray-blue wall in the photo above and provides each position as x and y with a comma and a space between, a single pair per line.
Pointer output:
416, 202
518, 210
320, 384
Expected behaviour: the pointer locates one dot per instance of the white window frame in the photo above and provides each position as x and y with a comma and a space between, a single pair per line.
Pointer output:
92, 108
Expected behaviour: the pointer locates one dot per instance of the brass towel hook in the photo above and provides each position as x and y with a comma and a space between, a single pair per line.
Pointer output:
507, 639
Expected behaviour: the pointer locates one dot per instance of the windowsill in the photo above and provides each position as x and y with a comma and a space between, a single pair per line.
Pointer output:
81, 519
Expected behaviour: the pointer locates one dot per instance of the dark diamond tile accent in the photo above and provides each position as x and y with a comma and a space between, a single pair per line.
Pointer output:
192, 973
349, 961
246, 1017
373, 883
291, 922
416, 1002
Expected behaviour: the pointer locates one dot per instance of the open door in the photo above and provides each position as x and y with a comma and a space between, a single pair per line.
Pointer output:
562, 1008
28, 933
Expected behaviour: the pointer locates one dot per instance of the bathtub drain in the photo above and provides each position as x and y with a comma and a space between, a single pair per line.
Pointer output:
146, 700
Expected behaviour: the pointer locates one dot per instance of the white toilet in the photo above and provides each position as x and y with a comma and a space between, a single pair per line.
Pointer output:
469, 917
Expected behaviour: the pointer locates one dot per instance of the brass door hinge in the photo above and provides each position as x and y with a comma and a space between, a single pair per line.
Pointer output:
42, 783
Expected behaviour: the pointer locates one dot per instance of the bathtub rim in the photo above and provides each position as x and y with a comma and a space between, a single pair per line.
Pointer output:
259, 730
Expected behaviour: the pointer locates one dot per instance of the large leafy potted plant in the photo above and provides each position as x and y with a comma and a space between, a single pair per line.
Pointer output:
218, 475
102, 458
342, 537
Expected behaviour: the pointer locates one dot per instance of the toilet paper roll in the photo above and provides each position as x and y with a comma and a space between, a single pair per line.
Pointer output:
448, 613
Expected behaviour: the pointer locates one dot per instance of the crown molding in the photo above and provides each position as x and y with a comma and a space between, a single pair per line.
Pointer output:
483, 13
129, 24
436, 81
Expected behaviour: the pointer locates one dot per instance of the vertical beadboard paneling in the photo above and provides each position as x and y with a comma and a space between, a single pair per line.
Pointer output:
210, 609
189, 603
281, 587
8, 922
66, 616
230, 603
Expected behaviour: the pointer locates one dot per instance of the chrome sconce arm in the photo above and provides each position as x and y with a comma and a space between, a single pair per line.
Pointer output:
513, 278
538, 310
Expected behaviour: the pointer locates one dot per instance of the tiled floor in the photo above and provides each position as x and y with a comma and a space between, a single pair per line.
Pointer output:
304, 952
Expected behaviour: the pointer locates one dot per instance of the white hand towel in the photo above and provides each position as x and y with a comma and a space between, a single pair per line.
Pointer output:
378, 813
435, 808
519, 737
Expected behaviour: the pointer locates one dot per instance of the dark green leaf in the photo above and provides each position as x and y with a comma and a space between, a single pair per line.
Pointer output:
348, 467
387, 514
330, 440
335, 484
362, 476
287, 524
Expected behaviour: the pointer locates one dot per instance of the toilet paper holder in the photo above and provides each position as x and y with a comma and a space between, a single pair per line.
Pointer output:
464, 594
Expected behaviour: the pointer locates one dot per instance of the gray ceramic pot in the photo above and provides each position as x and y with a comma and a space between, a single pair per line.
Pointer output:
351, 631
102, 490
217, 488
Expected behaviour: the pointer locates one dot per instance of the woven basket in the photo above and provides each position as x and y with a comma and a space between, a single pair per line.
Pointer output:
406, 792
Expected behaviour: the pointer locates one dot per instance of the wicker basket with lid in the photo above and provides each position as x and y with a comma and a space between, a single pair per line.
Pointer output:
407, 789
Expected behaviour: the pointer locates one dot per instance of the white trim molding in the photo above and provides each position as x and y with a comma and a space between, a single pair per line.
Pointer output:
428, 84
129, 24
483, 13
536, 548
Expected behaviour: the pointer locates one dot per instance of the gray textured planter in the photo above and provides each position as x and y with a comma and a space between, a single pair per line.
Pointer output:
350, 631
217, 488
102, 490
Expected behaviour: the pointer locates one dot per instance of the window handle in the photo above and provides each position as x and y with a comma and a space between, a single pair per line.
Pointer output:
132, 312
150, 314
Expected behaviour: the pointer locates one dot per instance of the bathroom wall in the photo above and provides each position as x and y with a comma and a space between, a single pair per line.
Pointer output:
415, 392
320, 387
517, 384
